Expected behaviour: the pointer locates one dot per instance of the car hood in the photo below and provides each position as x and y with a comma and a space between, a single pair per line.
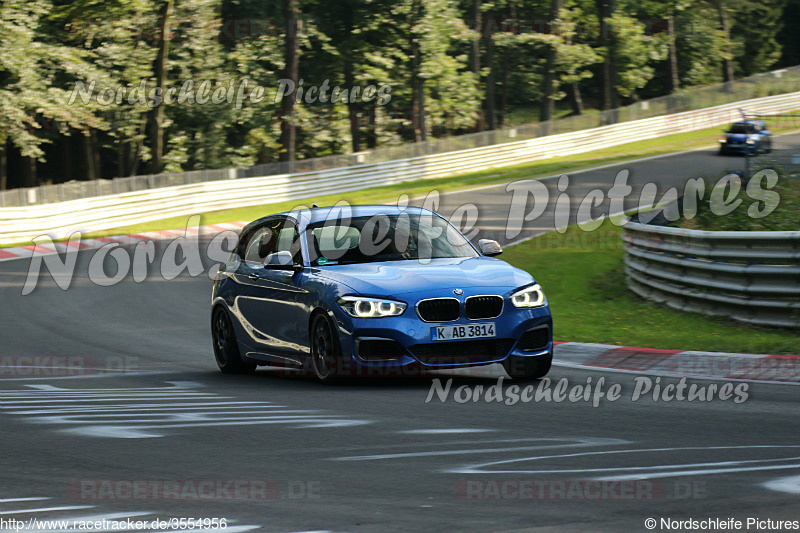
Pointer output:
394, 278
742, 137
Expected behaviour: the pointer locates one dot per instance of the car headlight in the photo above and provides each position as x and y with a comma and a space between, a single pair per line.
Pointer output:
750, 141
723, 140
531, 297
358, 307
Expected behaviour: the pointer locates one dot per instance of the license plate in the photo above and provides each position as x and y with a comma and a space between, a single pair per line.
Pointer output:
463, 331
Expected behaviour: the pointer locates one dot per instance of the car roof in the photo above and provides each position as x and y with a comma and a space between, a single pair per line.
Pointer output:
749, 122
320, 214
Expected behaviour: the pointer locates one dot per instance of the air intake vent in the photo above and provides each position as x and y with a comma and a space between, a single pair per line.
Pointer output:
455, 353
482, 307
534, 339
439, 310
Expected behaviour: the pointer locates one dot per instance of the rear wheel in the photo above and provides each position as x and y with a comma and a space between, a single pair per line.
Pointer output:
326, 354
226, 350
528, 368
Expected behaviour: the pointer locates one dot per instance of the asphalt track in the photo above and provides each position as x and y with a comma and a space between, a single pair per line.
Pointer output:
150, 409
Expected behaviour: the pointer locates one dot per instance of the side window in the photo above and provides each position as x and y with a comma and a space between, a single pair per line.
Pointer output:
288, 240
262, 242
253, 251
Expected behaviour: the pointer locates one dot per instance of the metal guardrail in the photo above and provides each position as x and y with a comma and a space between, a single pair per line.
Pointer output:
757, 86
20, 224
750, 276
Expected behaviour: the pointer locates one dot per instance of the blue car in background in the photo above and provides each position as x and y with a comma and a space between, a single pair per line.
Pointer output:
371, 290
746, 137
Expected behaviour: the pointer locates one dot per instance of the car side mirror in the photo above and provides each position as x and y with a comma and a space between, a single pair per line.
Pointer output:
489, 247
279, 261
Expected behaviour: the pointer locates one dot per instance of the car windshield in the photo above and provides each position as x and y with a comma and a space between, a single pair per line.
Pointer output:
742, 128
396, 237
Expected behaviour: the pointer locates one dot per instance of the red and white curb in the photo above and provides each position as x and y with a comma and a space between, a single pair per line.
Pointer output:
26, 252
676, 363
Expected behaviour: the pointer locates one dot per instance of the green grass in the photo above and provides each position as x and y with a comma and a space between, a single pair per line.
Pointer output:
582, 275
539, 169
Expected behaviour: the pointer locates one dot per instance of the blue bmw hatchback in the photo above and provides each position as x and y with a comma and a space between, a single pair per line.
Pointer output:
746, 137
371, 289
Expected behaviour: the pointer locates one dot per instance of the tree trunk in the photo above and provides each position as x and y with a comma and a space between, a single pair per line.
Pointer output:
136, 158
3, 166
67, 172
674, 81
291, 73
160, 68
491, 112
610, 101
29, 172
372, 131
352, 106
417, 83
98, 167
727, 62
501, 119
577, 100
122, 148
548, 103
88, 157
476, 53
512, 14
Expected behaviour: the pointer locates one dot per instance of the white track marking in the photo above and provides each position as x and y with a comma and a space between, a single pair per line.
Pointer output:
701, 472
46, 509
150, 412
790, 485
582, 442
103, 374
485, 468
443, 431
149, 407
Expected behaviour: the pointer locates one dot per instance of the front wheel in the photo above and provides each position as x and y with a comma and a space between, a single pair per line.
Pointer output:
527, 368
226, 350
325, 350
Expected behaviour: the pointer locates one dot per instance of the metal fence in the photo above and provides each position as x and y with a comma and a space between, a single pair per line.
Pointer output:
761, 85
750, 276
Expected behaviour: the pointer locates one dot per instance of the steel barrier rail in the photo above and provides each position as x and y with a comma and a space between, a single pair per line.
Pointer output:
20, 224
750, 276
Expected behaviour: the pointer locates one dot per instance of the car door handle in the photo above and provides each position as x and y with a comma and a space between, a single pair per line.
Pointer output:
254, 277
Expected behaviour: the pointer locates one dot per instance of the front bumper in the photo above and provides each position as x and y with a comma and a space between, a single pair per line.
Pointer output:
407, 340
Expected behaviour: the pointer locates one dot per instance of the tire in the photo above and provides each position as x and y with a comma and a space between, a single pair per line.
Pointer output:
527, 368
768, 149
326, 354
226, 349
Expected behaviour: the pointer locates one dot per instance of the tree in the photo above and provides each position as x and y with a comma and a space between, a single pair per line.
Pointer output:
755, 31
31, 72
